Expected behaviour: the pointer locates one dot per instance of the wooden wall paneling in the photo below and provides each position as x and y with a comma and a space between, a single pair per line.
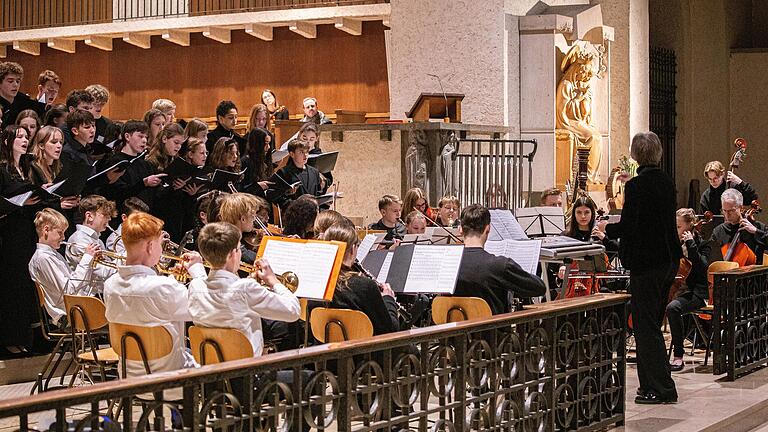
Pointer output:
340, 70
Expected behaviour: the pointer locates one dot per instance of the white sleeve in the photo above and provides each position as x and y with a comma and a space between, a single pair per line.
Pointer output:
77, 281
197, 270
177, 299
53, 278
280, 305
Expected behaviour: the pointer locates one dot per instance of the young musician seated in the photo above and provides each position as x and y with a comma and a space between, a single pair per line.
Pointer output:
136, 295
390, 207
695, 292
49, 269
325, 220
415, 223
96, 212
226, 120
130, 206
416, 199
241, 210
753, 234
358, 292
223, 299
481, 274
719, 180
299, 217
551, 197
448, 211
297, 170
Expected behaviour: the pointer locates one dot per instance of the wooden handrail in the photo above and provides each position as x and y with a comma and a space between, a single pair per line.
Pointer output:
161, 381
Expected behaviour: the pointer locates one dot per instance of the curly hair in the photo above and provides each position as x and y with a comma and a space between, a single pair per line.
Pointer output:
299, 217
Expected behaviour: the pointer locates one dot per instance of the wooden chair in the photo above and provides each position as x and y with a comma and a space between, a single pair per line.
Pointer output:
705, 313
339, 325
86, 318
149, 343
62, 338
447, 309
216, 345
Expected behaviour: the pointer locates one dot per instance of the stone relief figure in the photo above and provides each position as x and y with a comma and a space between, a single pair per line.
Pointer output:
574, 105
447, 156
416, 158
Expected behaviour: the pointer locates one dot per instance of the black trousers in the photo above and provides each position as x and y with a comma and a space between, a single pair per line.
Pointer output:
684, 303
650, 290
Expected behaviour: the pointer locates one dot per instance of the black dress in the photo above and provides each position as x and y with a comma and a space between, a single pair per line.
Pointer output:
18, 239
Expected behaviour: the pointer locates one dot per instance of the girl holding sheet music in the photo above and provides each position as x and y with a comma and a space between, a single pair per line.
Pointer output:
47, 166
225, 156
258, 161
18, 307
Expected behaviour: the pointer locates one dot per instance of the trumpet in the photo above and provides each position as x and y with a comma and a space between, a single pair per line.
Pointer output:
289, 278
103, 257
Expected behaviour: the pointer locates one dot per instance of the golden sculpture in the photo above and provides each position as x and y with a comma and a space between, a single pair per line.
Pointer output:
574, 106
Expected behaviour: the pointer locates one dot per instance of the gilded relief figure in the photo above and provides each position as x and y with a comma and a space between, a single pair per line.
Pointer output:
574, 105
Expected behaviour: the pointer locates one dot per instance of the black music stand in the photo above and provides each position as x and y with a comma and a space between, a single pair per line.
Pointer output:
541, 221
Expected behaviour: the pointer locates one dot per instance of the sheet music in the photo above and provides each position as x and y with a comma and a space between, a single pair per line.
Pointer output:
434, 269
365, 246
313, 270
52, 189
524, 252
19, 200
505, 226
384, 272
284, 147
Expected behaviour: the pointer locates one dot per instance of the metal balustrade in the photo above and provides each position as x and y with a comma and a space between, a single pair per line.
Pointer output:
555, 366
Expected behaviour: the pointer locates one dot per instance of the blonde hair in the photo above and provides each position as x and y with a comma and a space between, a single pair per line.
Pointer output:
50, 217
194, 127
99, 92
412, 216
163, 105
342, 232
45, 134
216, 241
235, 206
715, 166
139, 227
251, 124
449, 199
387, 200
192, 145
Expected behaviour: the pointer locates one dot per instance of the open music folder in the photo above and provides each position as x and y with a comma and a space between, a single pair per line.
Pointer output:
425, 268
523, 252
504, 226
316, 263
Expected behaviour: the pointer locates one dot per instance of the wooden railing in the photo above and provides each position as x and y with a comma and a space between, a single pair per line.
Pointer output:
28, 14
556, 366
740, 321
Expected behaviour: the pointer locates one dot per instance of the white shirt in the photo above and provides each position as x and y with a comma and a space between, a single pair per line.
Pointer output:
225, 300
50, 270
136, 295
82, 237
115, 241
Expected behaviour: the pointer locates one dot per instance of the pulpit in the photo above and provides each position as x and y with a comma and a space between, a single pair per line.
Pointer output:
437, 106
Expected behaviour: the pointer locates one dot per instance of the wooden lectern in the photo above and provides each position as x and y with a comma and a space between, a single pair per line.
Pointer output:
284, 129
432, 106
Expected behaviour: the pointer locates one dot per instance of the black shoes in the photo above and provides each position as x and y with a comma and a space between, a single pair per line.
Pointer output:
654, 399
676, 367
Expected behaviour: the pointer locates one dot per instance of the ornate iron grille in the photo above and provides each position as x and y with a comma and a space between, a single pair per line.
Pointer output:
557, 367
662, 110
740, 321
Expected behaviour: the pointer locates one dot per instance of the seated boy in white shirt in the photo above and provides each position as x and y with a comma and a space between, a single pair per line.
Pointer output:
49, 269
223, 299
115, 240
96, 212
136, 295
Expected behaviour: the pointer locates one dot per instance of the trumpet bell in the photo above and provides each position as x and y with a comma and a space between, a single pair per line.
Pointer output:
290, 280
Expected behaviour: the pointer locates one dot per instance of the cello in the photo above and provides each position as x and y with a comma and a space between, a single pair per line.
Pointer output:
685, 264
738, 251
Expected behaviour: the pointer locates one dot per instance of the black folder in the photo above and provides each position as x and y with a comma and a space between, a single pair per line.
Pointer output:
374, 260
181, 169
76, 177
221, 178
323, 162
121, 165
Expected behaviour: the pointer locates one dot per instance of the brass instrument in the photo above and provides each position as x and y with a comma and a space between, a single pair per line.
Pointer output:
103, 257
289, 278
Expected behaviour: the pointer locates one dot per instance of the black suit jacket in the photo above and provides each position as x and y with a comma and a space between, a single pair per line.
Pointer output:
648, 228
492, 278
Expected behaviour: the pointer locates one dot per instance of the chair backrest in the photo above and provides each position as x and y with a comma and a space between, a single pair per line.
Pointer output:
339, 325
717, 266
215, 345
141, 343
85, 313
447, 309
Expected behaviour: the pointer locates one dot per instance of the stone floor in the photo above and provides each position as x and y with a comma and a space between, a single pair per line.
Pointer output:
706, 403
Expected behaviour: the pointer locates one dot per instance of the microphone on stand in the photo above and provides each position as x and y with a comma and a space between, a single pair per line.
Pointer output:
445, 96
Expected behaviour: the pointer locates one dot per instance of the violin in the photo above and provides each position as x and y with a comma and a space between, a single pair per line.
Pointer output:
685, 264
737, 251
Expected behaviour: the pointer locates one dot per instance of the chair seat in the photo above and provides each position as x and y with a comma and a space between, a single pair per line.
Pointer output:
105, 355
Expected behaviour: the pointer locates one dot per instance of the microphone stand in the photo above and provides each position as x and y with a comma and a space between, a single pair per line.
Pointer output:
445, 96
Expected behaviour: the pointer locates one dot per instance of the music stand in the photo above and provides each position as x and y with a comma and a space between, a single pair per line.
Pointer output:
541, 221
